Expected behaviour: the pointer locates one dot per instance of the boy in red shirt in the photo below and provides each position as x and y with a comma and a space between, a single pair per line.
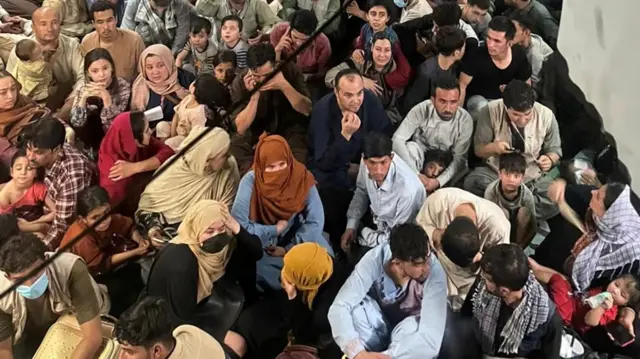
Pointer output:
574, 311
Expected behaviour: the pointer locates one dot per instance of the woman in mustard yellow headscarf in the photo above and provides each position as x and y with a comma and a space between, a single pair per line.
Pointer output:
310, 281
210, 244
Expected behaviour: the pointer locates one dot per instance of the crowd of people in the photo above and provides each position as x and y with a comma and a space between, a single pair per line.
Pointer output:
228, 179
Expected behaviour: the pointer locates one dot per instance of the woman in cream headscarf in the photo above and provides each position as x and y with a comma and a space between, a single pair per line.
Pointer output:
311, 280
159, 83
206, 171
188, 267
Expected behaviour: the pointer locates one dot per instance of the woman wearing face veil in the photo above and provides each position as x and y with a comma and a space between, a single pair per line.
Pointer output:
210, 244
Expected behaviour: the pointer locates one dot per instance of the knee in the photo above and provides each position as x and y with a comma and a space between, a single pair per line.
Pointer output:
475, 104
236, 343
475, 184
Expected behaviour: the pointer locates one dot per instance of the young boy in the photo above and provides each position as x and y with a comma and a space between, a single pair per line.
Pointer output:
224, 67
515, 199
231, 30
200, 46
435, 162
377, 17
575, 311
32, 72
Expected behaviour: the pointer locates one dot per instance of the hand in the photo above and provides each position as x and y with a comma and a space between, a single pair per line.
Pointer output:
626, 319
373, 86
281, 225
396, 274
99, 90
277, 82
358, 55
12, 19
10, 28
22, 221
368, 355
502, 87
350, 124
501, 147
155, 237
285, 43
276, 251
39, 235
353, 8
346, 239
436, 238
143, 247
545, 163
232, 224
556, 189
590, 177
121, 170
608, 303
249, 81
69, 135
432, 185
178, 63
255, 40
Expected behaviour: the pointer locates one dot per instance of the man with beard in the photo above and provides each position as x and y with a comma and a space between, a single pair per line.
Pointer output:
438, 123
67, 172
394, 303
388, 189
514, 198
339, 123
512, 314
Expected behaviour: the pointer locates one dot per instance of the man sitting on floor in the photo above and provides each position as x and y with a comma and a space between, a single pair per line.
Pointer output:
518, 124
386, 186
394, 303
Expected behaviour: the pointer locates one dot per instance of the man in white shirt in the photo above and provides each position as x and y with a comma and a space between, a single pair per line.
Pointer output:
386, 186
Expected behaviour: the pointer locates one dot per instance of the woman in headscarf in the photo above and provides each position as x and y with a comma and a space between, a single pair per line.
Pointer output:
597, 250
16, 112
278, 202
310, 280
128, 155
159, 83
209, 243
206, 171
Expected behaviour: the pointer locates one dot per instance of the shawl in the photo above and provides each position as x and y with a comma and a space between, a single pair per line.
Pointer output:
531, 313
307, 266
141, 86
210, 265
189, 180
615, 243
277, 195
13, 121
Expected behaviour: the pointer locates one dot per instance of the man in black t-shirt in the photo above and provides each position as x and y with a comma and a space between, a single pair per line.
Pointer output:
493, 67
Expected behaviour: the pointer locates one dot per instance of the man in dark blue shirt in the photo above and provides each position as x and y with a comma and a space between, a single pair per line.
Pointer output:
339, 123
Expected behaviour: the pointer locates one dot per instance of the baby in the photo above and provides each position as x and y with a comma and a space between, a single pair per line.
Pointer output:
200, 108
574, 310
31, 71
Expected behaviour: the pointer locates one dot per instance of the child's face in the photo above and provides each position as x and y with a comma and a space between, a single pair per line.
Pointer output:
230, 31
619, 291
95, 215
432, 169
22, 172
199, 40
510, 181
377, 17
224, 72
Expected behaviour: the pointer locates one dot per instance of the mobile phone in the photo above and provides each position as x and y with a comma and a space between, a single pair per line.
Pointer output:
620, 334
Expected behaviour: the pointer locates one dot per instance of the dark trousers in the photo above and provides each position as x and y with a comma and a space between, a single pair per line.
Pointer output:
335, 202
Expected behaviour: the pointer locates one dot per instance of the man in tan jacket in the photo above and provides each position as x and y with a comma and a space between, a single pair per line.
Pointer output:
146, 331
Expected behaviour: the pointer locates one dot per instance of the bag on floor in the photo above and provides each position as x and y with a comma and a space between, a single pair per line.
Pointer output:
299, 352
64, 336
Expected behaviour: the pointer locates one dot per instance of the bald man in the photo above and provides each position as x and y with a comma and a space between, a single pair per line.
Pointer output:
62, 52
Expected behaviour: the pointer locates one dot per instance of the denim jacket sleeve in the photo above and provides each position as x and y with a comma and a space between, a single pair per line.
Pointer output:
240, 211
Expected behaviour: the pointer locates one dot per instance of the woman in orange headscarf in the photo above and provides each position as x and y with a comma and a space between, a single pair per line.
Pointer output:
278, 202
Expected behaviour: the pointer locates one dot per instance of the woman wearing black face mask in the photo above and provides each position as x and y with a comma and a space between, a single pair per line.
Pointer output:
210, 244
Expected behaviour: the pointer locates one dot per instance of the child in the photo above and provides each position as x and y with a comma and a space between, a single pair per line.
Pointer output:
516, 200
377, 18
25, 198
200, 46
112, 244
224, 67
572, 308
435, 162
200, 108
231, 30
31, 71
